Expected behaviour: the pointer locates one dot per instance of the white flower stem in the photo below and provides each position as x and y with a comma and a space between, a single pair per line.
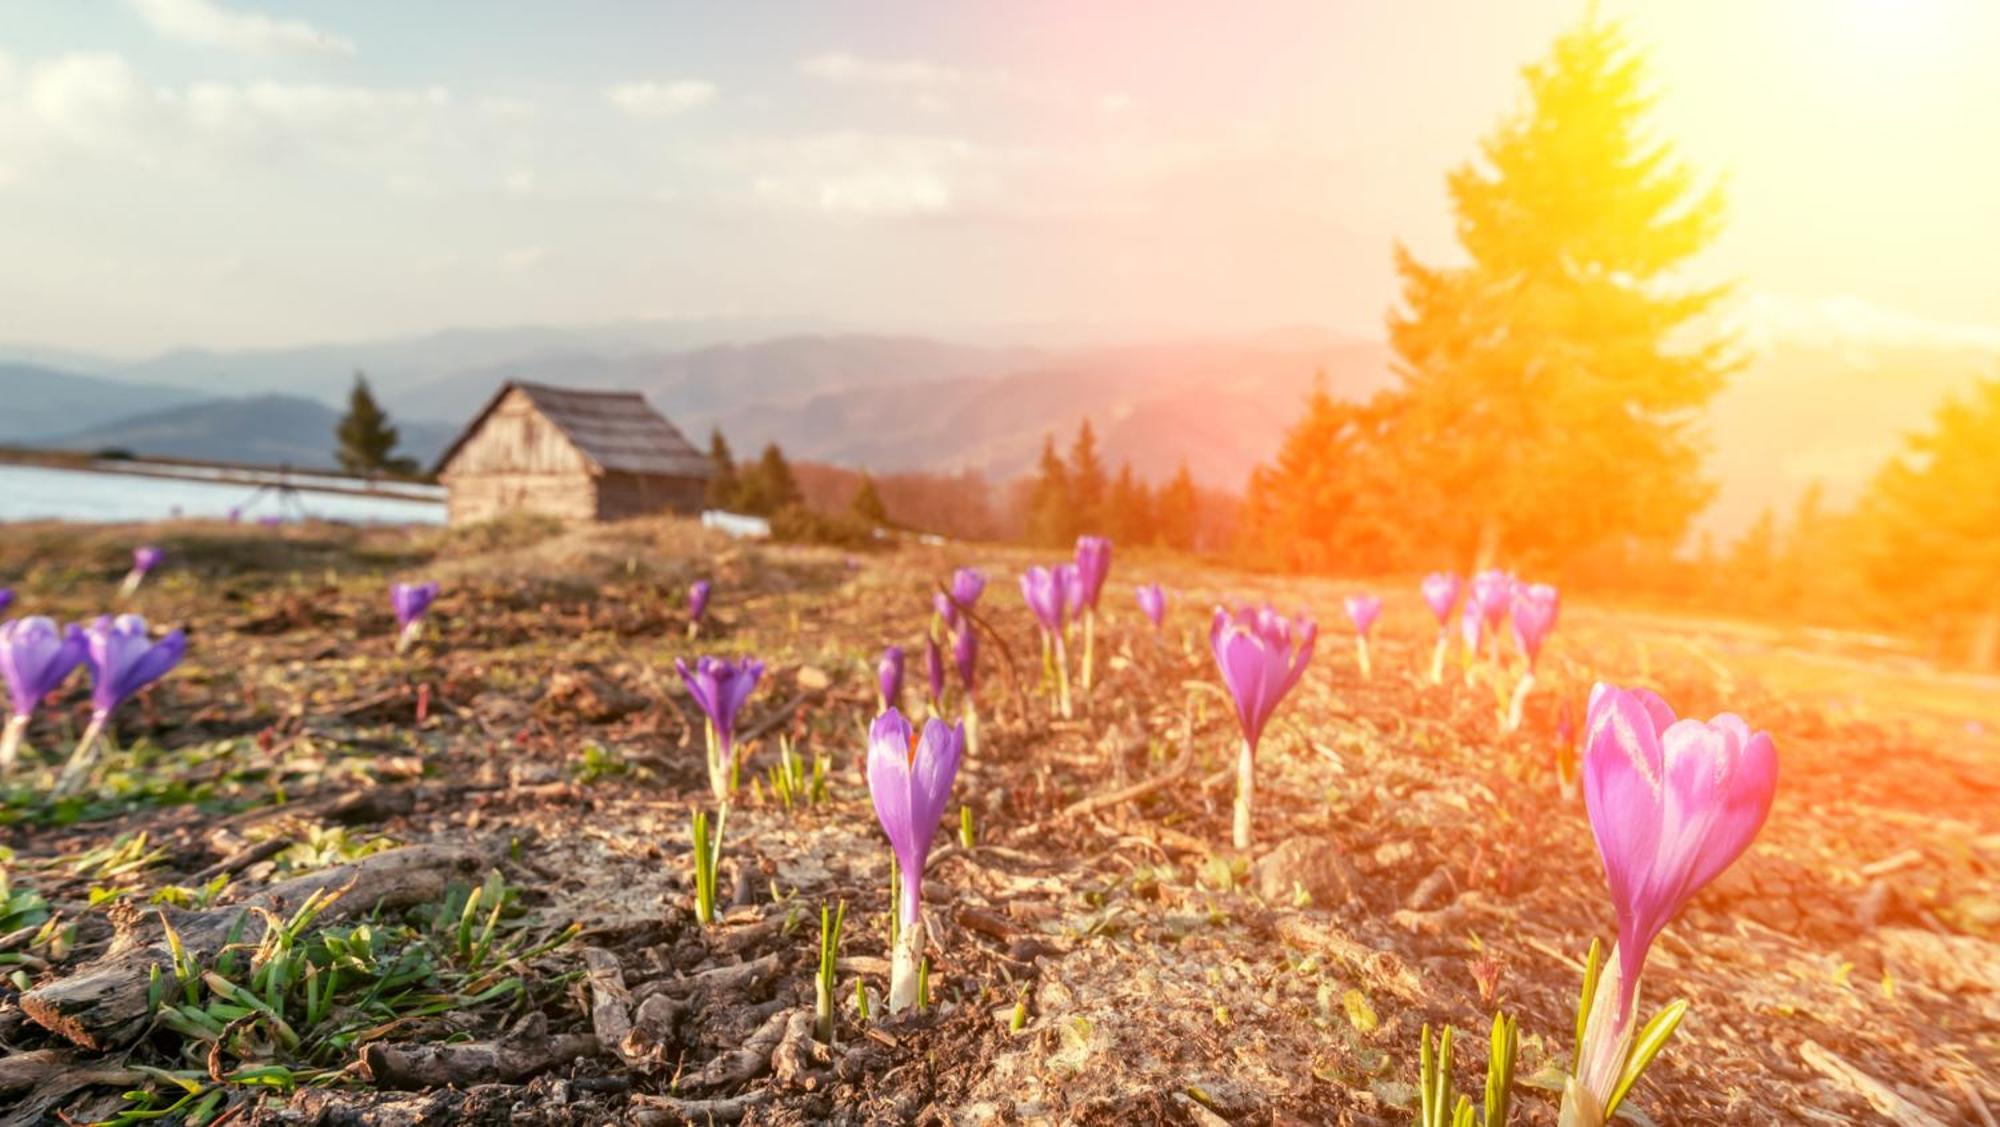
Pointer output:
77, 770
131, 584
904, 961
1089, 649
1246, 793
1437, 659
1361, 655
10, 742
1062, 678
971, 719
409, 635
719, 773
1520, 701
1607, 1041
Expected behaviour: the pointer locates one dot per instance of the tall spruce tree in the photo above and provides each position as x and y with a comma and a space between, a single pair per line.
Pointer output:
1051, 519
769, 487
1087, 482
1176, 518
726, 487
1551, 382
1129, 513
365, 442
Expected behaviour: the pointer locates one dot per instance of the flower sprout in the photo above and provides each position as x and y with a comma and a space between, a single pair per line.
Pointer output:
698, 593
1363, 610
411, 602
889, 677
144, 560
1153, 603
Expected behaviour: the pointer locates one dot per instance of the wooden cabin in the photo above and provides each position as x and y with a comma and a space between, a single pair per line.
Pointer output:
578, 455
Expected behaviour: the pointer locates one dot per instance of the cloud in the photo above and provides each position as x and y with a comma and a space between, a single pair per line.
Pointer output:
205, 23
661, 99
839, 66
1765, 319
873, 175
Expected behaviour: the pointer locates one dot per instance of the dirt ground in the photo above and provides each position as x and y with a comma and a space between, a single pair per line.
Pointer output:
1100, 955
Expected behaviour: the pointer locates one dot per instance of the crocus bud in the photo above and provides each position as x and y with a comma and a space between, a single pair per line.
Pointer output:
1153, 602
1261, 655
411, 602
910, 779
965, 655
698, 599
889, 676
719, 687
1047, 593
967, 584
1363, 610
1093, 566
1441, 594
1672, 804
144, 560
1535, 607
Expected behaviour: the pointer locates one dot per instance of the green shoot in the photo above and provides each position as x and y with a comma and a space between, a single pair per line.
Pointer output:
1439, 1105
1645, 1047
923, 985
965, 835
1592, 967
861, 998
707, 855
829, 954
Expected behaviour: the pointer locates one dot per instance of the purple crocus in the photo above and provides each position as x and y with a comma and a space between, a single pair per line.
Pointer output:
1441, 594
1535, 607
889, 676
36, 657
945, 609
1261, 654
144, 560
934, 671
411, 602
1672, 804
697, 600
6, 599
1492, 593
123, 659
1093, 567
967, 584
1153, 601
965, 655
1047, 590
719, 687
910, 779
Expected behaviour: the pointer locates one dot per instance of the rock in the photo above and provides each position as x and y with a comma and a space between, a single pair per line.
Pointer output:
812, 678
1306, 865
583, 692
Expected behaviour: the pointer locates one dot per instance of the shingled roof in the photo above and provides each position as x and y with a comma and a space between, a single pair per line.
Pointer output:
617, 431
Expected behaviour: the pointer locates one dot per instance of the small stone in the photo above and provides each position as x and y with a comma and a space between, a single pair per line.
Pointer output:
812, 678
1305, 866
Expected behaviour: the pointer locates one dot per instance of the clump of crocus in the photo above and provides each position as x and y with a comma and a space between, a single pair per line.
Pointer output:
1535, 607
1153, 603
144, 560
1440, 594
36, 657
1047, 590
411, 602
698, 594
1093, 567
719, 687
1363, 610
1672, 804
889, 677
123, 659
910, 778
1261, 654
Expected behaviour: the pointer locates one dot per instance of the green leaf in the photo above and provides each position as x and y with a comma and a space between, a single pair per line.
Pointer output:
1592, 967
1645, 1047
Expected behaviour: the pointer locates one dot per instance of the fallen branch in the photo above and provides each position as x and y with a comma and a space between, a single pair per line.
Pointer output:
387, 1064
744, 1064
104, 1003
660, 1111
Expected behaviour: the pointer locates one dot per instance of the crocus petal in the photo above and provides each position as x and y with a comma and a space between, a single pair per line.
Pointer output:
889, 781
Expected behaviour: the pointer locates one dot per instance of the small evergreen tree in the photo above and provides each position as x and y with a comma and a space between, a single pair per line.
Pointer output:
1129, 518
867, 503
365, 442
769, 486
725, 489
1087, 485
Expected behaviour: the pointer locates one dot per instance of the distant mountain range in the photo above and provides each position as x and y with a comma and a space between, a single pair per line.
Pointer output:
1810, 407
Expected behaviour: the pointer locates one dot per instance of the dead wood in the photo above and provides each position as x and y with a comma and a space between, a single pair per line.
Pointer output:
744, 1064
387, 1064
1880, 1096
1379, 967
610, 1002
662, 1111
104, 1003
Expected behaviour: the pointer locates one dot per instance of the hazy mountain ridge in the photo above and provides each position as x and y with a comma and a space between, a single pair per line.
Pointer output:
40, 401
268, 430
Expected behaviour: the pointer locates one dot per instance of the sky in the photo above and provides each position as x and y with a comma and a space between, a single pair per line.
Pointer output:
258, 173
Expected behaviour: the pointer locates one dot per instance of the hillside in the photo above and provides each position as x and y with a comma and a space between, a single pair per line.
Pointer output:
263, 429
42, 401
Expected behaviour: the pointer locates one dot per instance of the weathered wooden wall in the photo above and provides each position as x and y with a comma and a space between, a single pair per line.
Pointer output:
518, 460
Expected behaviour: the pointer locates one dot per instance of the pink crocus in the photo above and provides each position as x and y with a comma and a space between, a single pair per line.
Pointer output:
1440, 594
1153, 601
1535, 606
910, 774
1261, 655
1672, 804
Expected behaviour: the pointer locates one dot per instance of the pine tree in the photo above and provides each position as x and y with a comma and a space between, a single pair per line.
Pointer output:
1551, 381
1086, 481
725, 488
1175, 517
769, 487
867, 503
365, 440
1930, 528
1129, 516
1333, 498
1051, 519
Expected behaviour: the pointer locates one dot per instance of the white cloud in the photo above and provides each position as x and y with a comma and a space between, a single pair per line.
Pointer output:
839, 66
661, 99
1765, 319
205, 23
874, 175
